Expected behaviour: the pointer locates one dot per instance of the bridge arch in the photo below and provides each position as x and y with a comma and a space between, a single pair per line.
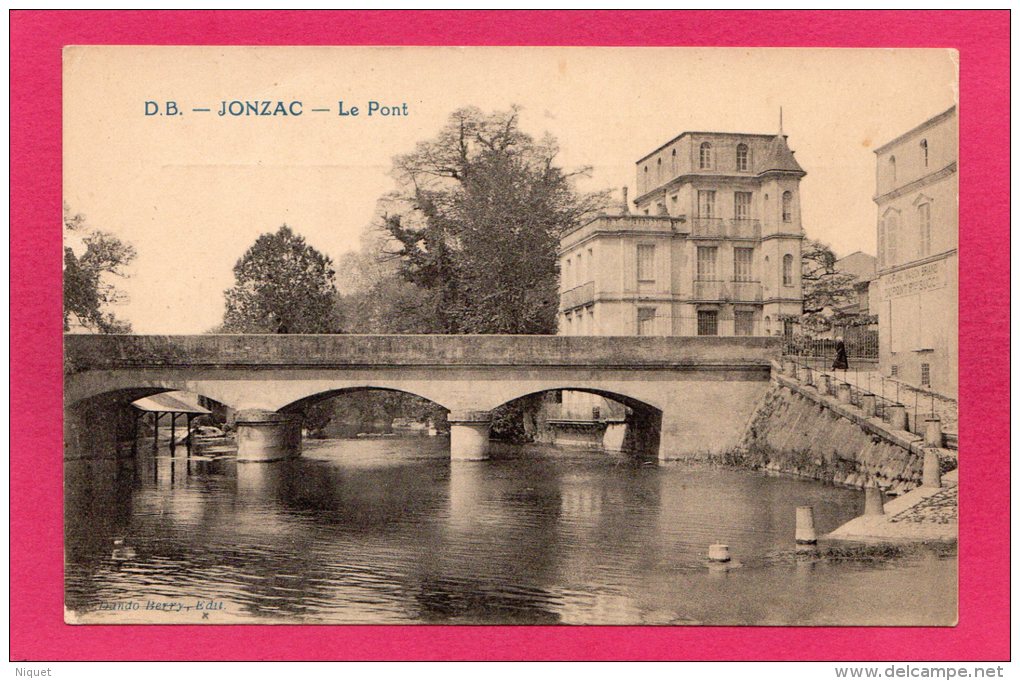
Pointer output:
95, 426
80, 389
621, 397
636, 428
303, 403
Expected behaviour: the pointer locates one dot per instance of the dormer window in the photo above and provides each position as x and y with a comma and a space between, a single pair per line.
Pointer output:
742, 156
705, 156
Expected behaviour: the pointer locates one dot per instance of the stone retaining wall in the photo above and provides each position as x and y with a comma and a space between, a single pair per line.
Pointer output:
796, 430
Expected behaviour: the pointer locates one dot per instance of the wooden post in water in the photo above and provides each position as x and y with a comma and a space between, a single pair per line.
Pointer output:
173, 439
155, 430
188, 440
134, 433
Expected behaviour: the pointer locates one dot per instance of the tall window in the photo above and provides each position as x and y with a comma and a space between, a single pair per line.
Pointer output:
579, 269
743, 323
892, 238
742, 163
924, 229
706, 263
881, 243
787, 206
926, 374
787, 270
708, 323
591, 266
742, 258
646, 321
705, 156
892, 168
646, 262
924, 152
568, 276
706, 203
742, 205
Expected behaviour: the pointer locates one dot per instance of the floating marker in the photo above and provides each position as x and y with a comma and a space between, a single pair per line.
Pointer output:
719, 553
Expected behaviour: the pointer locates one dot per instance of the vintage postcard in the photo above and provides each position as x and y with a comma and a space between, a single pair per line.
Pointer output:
507, 335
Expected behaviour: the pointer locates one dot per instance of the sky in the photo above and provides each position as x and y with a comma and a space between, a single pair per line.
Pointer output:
192, 192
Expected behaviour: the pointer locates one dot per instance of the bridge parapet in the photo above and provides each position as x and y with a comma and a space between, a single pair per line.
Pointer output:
94, 352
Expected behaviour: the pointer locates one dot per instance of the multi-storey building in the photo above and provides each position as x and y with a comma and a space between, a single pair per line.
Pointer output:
713, 249
916, 293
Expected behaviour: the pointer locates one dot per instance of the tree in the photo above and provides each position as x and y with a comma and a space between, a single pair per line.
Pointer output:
824, 286
281, 285
827, 291
477, 221
87, 291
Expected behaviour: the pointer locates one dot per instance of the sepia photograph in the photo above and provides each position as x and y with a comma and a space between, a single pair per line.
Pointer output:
510, 335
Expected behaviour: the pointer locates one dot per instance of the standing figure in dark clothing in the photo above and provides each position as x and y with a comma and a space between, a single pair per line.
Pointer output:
840, 361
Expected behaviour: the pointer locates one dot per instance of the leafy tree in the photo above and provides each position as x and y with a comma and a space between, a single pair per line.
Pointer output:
824, 286
477, 220
281, 285
827, 291
87, 291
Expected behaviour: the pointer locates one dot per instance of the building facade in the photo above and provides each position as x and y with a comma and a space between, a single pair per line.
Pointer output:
713, 247
917, 289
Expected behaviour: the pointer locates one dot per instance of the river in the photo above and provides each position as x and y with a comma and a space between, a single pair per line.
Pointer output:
388, 530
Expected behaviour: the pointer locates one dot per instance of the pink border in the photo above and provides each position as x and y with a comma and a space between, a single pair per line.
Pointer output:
37, 629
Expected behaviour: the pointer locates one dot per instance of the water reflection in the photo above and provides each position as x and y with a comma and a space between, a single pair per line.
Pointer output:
389, 530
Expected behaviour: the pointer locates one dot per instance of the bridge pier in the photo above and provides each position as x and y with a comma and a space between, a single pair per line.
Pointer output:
267, 435
469, 435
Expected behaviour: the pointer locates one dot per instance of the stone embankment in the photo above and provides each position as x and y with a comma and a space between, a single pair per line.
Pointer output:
830, 433
928, 513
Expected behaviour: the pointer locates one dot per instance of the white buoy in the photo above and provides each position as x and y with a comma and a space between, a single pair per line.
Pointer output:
805, 533
719, 553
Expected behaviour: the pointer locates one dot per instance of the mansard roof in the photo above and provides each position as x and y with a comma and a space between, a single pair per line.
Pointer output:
778, 158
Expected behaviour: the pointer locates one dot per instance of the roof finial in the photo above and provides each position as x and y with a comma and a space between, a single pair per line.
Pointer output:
780, 120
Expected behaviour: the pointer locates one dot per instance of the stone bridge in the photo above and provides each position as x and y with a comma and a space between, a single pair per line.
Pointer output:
694, 395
